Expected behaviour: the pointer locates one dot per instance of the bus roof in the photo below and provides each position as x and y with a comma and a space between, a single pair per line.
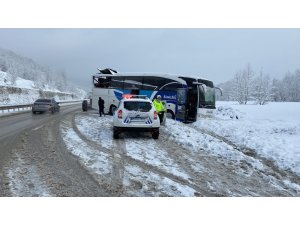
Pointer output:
207, 82
194, 77
169, 76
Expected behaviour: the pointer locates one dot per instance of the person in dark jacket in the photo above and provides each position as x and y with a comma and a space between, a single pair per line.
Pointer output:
101, 106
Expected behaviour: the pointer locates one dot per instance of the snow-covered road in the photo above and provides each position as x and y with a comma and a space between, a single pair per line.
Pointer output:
73, 153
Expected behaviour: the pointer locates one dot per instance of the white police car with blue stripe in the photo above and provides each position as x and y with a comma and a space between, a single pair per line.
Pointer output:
135, 113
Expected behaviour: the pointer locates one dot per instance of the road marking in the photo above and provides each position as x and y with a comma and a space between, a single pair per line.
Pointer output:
37, 128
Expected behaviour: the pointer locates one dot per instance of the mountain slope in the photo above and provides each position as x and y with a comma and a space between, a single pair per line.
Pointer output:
20, 75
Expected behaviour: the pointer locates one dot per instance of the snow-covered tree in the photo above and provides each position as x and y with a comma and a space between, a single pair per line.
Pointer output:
291, 86
243, 83
3, 66
238, 87
61, 80
276, 90
244, 87
261, 91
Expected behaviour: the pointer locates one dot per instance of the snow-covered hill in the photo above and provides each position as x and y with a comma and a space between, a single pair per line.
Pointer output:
22, 81
21, 91
26, 68
7, 79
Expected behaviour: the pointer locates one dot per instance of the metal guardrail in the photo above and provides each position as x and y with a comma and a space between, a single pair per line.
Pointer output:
18, 107
14, 107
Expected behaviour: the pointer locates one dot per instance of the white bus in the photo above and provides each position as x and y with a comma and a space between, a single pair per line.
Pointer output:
186, 98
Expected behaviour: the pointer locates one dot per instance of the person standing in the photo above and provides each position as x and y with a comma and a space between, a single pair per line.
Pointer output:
160, 108
101, 106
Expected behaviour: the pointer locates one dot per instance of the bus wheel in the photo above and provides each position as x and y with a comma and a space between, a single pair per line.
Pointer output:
84, 105
112, 109
115, 133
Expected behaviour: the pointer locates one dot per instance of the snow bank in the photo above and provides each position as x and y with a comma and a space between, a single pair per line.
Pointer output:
22, 83
273, 130
194, 139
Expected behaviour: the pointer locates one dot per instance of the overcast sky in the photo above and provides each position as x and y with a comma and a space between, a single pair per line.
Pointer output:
216, 54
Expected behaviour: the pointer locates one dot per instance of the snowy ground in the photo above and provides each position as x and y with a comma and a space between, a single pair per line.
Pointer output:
272, 130
143, 150
25, 180
268, 133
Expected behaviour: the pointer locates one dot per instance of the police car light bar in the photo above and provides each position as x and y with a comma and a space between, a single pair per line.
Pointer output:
128, 96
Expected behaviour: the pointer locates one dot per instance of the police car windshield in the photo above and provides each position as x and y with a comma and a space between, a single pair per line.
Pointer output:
138, 106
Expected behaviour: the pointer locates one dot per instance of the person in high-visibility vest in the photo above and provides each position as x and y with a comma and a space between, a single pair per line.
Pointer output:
160, 108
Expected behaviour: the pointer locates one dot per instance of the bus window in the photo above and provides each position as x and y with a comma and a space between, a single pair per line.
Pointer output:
95, 81
210, 97
153, 83
102, 82
135, 92
172, 86
117, 82
201, 101
181, 96
133, 82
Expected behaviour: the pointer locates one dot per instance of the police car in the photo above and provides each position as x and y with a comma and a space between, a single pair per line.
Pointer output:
135, 113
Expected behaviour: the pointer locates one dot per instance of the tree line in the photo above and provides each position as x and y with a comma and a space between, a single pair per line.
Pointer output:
248, 85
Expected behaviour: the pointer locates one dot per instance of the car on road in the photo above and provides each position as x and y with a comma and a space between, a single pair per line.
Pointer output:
45, 105
135, 113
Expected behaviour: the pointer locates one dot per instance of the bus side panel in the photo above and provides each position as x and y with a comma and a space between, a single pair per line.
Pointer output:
170, 97
113, 99
148, 93
99, 92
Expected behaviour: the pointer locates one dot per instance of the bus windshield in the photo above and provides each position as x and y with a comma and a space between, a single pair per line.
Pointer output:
210, 95
206, 94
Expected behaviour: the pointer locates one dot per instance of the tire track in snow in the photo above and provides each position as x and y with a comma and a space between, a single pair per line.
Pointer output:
270, 168
122, 153
24, 179
241, 164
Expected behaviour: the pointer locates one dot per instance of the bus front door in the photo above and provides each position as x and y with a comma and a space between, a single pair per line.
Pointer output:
181, 104
192, 104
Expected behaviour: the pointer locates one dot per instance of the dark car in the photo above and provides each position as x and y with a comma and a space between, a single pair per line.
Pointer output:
45, 105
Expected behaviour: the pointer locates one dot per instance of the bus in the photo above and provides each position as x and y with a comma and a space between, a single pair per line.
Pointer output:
186, 98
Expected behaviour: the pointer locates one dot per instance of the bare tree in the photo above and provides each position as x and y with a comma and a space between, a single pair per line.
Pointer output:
261, 89
243, 83
238, 93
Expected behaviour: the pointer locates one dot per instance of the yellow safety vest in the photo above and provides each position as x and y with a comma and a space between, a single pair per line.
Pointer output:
159, 106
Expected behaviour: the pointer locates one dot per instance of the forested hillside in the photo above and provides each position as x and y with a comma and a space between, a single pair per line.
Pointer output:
43, 78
